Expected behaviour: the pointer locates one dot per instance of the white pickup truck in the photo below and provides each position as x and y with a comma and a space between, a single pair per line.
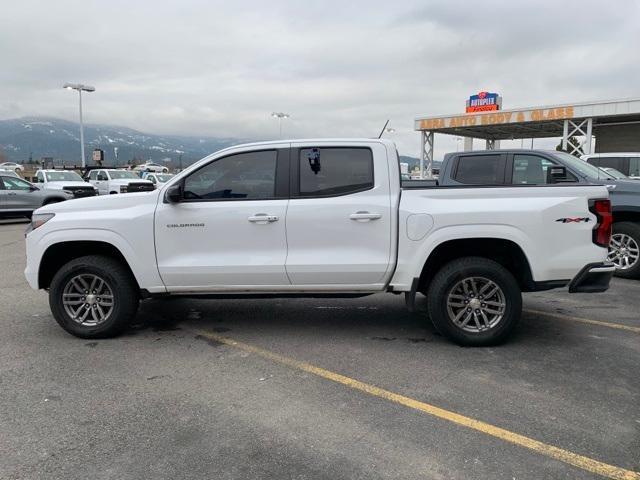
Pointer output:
111, 181
319, 218
65, 180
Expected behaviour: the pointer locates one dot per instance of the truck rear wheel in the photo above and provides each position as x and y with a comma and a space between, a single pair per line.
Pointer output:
474, 301
624, 249
93, 297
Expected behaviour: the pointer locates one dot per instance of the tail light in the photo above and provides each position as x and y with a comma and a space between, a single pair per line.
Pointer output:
602, 231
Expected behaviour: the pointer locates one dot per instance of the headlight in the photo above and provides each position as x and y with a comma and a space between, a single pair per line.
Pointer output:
123, 188
39, 219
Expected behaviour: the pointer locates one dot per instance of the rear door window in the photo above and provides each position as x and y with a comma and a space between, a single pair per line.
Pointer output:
480, 169
634, 167
332, 171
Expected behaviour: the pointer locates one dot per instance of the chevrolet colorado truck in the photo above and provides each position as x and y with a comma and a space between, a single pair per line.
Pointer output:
532, 167
326, 218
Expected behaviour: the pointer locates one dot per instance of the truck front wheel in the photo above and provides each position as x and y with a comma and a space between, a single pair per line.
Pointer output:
93, 297
474, 301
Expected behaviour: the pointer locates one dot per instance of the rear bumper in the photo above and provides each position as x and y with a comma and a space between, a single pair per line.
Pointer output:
593, 278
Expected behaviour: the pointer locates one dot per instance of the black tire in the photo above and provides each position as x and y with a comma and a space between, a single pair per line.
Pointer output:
630, 229
113, 193
121, 284
449, 277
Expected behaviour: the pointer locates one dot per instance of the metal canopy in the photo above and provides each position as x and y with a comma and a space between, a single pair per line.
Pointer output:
530, 122
565, 120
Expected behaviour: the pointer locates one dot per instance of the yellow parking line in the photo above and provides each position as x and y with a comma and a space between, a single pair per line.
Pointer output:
584, 320
580, 461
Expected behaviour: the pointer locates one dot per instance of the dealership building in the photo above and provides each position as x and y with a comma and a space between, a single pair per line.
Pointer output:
613, 124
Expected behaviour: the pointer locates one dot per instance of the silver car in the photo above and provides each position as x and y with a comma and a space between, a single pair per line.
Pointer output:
19, 198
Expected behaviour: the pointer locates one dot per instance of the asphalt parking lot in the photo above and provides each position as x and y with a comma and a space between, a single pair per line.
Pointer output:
317, 389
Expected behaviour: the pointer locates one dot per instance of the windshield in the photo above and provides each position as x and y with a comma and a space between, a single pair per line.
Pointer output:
163, 178
63, 177
584, 168
614, 173
118, 174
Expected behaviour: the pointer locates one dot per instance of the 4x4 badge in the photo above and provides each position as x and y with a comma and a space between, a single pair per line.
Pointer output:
573, 220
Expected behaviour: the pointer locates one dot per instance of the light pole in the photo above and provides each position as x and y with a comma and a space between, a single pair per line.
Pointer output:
279, 116
80, 88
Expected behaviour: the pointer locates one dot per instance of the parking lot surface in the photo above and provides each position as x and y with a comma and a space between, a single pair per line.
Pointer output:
317, 388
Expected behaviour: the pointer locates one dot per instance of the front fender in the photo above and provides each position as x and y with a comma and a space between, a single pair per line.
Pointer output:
142, 262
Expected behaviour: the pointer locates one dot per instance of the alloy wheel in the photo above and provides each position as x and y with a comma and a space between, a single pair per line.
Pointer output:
476, 304
88, 299
623, 251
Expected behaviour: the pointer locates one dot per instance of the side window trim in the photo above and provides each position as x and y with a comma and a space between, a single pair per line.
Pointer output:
295, 173
281, 178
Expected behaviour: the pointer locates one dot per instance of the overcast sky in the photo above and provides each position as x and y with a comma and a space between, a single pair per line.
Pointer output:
340, 68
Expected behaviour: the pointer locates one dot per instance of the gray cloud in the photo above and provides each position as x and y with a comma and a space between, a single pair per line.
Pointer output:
339, 68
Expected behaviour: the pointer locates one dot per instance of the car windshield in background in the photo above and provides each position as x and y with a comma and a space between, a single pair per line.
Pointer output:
583, 167
164, 178
614, 173
63, 177
118, 174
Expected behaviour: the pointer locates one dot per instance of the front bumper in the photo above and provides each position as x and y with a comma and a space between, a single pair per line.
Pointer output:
593, 278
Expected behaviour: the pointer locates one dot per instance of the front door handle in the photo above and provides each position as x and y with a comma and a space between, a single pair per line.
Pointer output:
364, 216
12, 193
262, 218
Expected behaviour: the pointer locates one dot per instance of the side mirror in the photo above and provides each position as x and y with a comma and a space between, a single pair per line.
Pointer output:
557, 174
174, 194
33, 188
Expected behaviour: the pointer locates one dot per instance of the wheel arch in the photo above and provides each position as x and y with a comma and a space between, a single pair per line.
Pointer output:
626, 215
58, 254
503, 251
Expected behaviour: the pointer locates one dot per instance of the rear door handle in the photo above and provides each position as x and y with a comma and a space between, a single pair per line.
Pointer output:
364, 216
12, 193
262, 218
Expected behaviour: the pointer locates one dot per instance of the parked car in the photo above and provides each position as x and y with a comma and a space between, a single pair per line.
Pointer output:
16, 167
151, 167
19, 198
625, 162
158, 179
320, 217
112, 181
532, 167
66, 180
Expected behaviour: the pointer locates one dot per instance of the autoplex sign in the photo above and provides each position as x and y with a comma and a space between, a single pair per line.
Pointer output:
484, 102
496, 118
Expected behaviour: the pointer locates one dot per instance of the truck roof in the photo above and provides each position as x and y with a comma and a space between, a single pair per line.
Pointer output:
313, 140
505, 150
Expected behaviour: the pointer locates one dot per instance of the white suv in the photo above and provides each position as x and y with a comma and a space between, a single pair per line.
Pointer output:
625, 162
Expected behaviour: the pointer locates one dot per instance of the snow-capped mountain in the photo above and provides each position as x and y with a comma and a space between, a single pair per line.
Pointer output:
37, 137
